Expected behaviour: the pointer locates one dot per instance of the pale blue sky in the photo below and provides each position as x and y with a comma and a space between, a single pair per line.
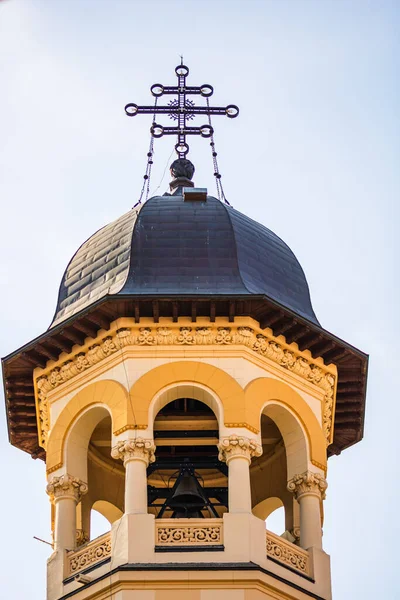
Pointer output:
314, 156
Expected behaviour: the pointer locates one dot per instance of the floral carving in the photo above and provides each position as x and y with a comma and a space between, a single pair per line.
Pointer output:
109, 346
124, 337
235, 445
186, 336
308, 483
66, 486
138, 448
302, 367
204, 335
223, 336
244, 336
262, 344
145, 337
90, 554
164, 336
287, 553
207, 534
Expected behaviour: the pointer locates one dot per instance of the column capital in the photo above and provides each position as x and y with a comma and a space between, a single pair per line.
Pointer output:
135, 449
235, 445
307, 484
66, 486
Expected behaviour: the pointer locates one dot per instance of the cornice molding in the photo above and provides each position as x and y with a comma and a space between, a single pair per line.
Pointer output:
243, 333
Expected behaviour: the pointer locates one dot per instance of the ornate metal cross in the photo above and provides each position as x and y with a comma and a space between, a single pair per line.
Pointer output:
182, 110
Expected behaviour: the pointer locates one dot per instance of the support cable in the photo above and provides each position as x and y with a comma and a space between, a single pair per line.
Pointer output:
146, 177
217, 174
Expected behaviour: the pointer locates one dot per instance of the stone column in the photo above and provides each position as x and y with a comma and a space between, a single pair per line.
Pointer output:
309, 490
136, 455
237, 452
65, 491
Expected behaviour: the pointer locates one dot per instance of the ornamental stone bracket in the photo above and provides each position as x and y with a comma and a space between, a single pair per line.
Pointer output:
244, 333
307, 484
136, 449
66, 486
235, 445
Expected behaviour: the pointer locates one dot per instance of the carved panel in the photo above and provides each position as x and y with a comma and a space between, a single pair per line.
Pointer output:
90, 554
189, 532
287, 553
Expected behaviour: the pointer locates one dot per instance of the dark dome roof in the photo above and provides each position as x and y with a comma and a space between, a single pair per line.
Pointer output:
171, 247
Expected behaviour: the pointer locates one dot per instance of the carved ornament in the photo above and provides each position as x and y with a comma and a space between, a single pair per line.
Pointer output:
209, 532
308, 483
136, 449
286, 553
66, 486
81, 537
90, 554
259, 341
235, 445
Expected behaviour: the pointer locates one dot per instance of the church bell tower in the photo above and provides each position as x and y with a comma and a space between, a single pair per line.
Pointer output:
185, 390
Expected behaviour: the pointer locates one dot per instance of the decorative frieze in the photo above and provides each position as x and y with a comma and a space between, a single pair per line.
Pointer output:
66, 486
261, 342
135, 449
204, 532
90, 554
308, 483
286, 553
235, 445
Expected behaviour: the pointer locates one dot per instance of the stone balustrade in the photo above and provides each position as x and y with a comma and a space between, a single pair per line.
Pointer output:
287, 554
89, 554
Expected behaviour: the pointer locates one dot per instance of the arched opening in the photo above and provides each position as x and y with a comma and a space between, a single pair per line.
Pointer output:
98, 524
108, 511
104, 501
78, 439
197, 392
187, 480
284, 449
266, 507
276, 521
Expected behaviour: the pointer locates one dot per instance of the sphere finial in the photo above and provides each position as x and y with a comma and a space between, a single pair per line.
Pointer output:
182, 171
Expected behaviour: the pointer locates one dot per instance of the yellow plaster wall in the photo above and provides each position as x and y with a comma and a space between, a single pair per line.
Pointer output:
108, 393
263, 392
223, 385
242, 407
129, 370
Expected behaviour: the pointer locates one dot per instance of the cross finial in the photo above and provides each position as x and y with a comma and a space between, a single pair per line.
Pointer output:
182, 109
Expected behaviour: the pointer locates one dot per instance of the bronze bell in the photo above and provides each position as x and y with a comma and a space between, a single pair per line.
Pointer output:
188, 499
